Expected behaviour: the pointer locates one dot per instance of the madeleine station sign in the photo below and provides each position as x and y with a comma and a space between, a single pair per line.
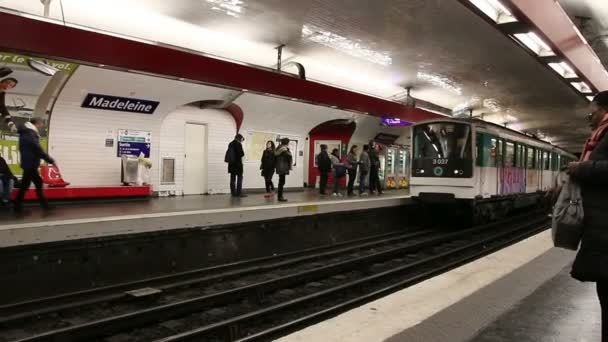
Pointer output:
121, 104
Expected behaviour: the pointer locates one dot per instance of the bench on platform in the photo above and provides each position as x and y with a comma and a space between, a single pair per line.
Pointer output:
76, 192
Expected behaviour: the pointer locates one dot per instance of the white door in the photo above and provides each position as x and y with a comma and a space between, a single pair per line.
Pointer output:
195, 159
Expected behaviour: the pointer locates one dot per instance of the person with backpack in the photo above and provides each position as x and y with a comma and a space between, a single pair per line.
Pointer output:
374, 172
339, 171
268, 166
324, 166
234, 158
31, 155
364, 167
284, 162
353, 165
7, 180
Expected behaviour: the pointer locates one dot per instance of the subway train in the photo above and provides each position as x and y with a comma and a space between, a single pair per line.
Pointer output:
480, 171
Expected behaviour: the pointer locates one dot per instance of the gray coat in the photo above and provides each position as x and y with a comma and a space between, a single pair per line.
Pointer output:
591, 263
365, 163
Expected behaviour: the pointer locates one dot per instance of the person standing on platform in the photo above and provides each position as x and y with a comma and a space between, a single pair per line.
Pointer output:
268, 166
31, 155
374, 172
284, 161
234, 158
8, 179
324, 166
339, 171
591, 173
364, 167
353, 165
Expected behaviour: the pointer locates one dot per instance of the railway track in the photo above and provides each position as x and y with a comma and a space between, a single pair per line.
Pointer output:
259, 299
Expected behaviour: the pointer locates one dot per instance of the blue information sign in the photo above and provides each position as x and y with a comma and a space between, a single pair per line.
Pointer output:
133, 143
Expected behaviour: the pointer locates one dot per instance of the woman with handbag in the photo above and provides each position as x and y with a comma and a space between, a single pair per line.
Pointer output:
339, 171
591, 174
267, 166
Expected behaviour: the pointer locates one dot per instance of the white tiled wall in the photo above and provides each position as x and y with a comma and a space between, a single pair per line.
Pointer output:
221, 129
77, 135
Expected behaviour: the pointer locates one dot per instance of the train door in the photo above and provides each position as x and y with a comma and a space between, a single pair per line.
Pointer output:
195, 159
531, 174
500, 162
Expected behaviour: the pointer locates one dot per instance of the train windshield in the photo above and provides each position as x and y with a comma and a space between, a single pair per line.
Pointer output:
442, 140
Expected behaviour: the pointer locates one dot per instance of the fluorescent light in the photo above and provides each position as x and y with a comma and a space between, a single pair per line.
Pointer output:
563, 69
581, 86
534, 43
590, 98
495, 10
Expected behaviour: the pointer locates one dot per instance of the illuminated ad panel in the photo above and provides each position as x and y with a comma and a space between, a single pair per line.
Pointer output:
29, 87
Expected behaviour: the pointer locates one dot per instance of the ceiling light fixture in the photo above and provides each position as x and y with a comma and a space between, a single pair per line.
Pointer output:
355, 48
440, 81
590, 98
583, 87
495, 10
533, 42
563, 69
233, 8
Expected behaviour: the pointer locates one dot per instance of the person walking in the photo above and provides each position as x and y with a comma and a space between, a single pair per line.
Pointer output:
324, 166
284, 161
7, 180
591, 173
353, 164
234, 158
364, 167
339, 171
31, 155
374, 172
268, 166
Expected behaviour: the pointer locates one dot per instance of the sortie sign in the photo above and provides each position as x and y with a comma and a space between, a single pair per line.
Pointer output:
121, 104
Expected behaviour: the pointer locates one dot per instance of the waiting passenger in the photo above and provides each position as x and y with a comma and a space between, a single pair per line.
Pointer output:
234, 158
364, 168
353, 165
31, 155
7, 180
268, 166
339, 171
324, 166
374, 172
591, 173
284, 160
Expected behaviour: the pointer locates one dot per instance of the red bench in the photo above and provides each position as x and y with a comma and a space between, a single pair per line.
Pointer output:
76, 192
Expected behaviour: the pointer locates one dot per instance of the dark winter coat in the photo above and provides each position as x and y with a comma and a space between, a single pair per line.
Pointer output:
5, 171
30, 149
591, 263
374, 159
235, 156
324, 162
284, 160
365, 163
268, 163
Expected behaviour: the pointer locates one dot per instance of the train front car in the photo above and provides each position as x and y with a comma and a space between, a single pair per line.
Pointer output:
443, 166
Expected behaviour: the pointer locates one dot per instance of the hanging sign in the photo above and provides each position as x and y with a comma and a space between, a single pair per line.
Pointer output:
133, 142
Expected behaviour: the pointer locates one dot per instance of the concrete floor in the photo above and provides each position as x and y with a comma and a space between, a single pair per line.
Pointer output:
562, 310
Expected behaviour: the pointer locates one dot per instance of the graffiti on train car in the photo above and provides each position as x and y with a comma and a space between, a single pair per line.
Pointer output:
512, 180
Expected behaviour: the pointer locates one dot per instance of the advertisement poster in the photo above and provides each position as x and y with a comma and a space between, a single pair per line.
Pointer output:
28, 88
255, 144
133, 143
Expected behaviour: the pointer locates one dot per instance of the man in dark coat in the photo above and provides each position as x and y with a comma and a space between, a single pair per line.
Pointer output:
374, 172
234, 158
7, 178
31, 155
324, 166
284, 162
591, 173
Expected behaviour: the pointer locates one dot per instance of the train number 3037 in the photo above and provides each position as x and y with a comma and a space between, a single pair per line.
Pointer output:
440, 162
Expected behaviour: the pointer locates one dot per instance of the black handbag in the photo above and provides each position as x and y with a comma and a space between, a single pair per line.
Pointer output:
568, 217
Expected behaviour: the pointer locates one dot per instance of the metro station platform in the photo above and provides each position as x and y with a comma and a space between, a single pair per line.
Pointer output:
521, 293
84, 220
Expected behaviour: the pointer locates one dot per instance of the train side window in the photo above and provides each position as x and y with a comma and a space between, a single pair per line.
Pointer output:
530, 153
487, 147
520, 159
509, 154
500, 153
546, 160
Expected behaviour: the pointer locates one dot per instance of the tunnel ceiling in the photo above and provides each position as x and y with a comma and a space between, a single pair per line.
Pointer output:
445, 52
